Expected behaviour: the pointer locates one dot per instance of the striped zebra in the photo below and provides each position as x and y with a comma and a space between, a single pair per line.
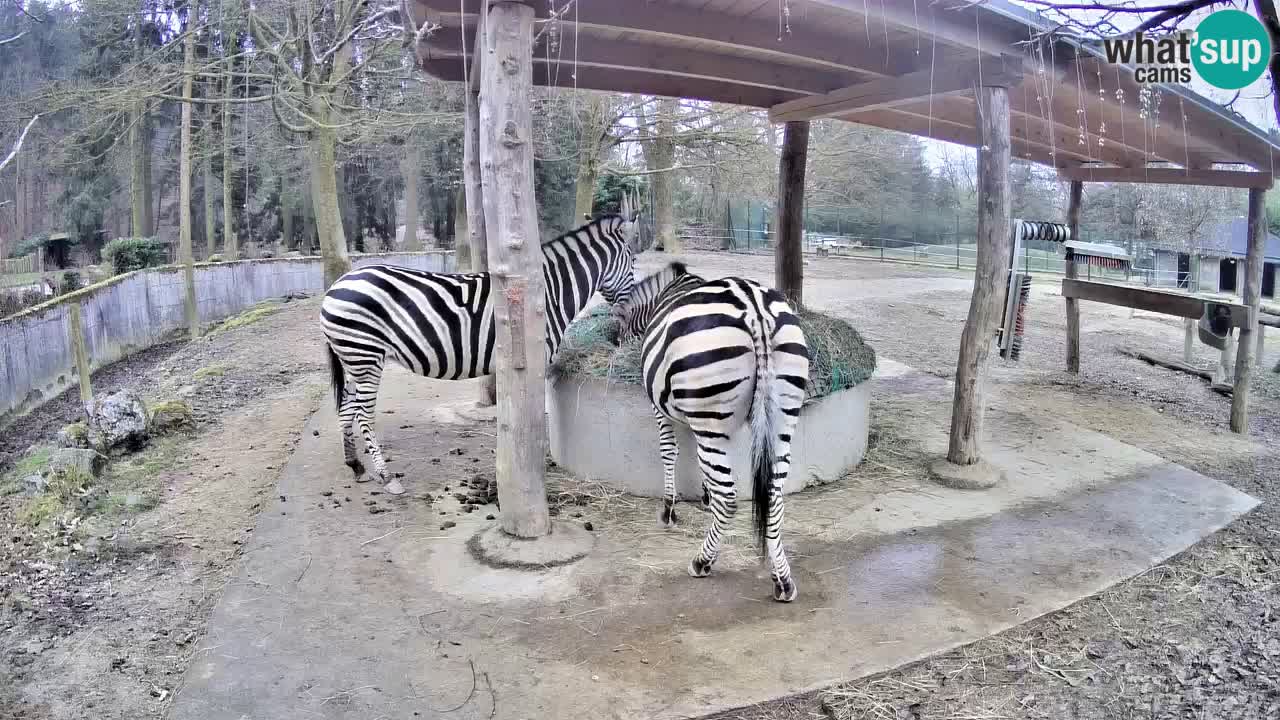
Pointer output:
718, 355
440, 325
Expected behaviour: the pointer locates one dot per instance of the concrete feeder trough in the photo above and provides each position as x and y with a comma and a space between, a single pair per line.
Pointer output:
604, 430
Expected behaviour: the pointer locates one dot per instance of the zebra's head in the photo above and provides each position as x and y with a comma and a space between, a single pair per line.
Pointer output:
621, 235
633, 316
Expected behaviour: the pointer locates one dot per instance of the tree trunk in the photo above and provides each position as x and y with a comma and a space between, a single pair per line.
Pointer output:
473, 193
1251, 295
661, 155
206, 172
286, 223
140, 171
309, 242
324, 200
515, 255
789, 254
593, 129
993, 257
410, 167
1074, 203
184, 187
461, 251
230, 244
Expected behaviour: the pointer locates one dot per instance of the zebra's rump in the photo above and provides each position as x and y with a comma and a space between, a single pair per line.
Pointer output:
436, 324
701, 351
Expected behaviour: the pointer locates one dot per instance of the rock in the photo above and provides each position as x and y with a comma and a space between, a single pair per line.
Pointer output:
75, 435
77, 462
118, 420
172, 416
34, 483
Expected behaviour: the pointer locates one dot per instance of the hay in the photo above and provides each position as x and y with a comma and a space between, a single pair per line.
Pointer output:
838, 356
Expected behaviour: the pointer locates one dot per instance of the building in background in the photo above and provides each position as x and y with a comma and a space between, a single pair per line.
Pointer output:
1217, 265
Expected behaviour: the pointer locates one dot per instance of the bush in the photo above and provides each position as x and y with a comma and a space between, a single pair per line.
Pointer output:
70, 282
13, 302
128, 254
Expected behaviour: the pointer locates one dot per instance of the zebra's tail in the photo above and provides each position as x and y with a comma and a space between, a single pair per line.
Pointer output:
764, 408
337, 377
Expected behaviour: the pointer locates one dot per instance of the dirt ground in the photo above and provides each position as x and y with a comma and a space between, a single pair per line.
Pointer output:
101, 619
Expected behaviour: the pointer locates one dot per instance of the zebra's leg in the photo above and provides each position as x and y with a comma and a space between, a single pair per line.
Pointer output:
784, 586
722, 493
367, 377
669, 449
346, 421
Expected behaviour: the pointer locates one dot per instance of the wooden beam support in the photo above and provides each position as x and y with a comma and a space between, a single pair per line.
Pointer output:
448, 67
1170, 176
1252, 297
515, 257
789, 259
891, 91
1074, 203
994, 242
1165, 302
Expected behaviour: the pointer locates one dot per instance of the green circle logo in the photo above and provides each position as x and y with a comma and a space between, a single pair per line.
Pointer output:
1231, 49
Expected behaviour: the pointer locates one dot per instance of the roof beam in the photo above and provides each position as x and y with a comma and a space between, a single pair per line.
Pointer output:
891, 91
1170, 176
960, 133
661, 19
593, 51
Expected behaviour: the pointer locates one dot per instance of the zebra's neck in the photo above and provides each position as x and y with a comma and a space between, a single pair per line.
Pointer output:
656, 292
572, 267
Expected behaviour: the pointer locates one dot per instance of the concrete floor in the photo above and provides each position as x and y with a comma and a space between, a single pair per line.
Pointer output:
340, 614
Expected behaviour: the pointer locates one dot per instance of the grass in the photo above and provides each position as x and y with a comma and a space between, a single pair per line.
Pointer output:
208, 371
131, 485
248, 317
36, 462
64, 489
19, 279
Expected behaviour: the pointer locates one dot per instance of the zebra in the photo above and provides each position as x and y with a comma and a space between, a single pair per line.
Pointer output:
718, 355
441, 325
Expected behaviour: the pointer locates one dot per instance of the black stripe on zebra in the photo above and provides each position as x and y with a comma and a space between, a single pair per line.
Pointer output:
441, 325
718, 356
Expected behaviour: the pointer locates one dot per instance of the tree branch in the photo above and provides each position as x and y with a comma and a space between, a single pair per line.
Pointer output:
17, 147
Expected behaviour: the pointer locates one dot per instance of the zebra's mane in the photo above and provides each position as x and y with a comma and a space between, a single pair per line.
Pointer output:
599, 222
653, 285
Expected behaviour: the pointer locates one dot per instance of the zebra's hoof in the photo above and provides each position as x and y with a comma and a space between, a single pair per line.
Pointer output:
667, 516
785, 592
364, 476
394, 488
699, 568
357, 467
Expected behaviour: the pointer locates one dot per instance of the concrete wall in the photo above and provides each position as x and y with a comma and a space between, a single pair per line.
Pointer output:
133, 311
606, 431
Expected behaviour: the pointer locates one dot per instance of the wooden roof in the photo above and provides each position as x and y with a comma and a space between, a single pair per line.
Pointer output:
906, 65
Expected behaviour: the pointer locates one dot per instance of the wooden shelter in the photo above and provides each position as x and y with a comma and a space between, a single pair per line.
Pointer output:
984, 75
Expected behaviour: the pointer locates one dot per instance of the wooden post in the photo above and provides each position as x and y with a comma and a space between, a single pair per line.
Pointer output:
1073, 305
473, 187
789, 254
75, 335
1188, 342
515, 259
1252, 297
1258, 352
989, 276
